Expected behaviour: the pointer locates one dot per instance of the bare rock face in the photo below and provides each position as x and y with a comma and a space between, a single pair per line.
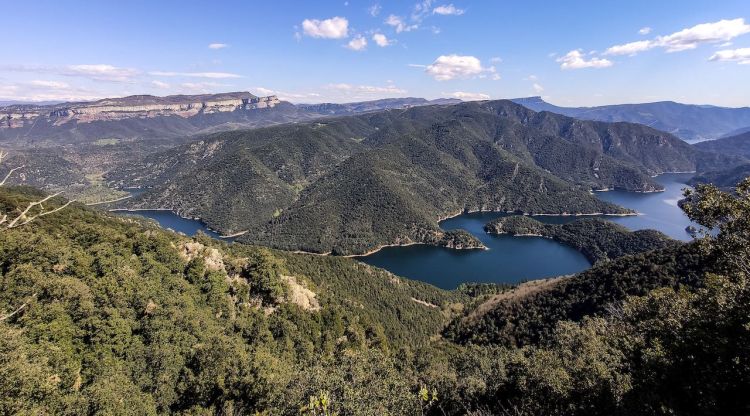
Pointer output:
137, 106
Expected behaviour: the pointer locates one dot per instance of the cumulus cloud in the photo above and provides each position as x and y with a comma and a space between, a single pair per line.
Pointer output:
468, 96
398, 24
447, 67
631, 48
358, 43
333, 28
686, 39
211, 75
217, 46
644, 30
381, 40
690, 38
447, 10
575, 60
741, 56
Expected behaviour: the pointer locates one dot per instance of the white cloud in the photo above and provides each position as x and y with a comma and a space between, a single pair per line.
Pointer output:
358, 43
644, 30
741, 56
101, 72
689, 38
447, 67
398, 24
333, 28
575, 60
468, 96
44, 90
448, 9
55, 85
217, 46
531, 77
374, 10
496, 59
537, 88
381, 40
264, 91
286, 96
160, 84
210, 75
366, 89
631, 48
201, 87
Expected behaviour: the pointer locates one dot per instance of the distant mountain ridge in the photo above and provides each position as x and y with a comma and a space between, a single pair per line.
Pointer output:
175, 116
689, 122
375, 105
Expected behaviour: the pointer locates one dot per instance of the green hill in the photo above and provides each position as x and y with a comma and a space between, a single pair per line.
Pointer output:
350, 184
110, 315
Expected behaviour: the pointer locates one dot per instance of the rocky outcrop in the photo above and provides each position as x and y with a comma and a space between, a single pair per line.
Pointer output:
137, 106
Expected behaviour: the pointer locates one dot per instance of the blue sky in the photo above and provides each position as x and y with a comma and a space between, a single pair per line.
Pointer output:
569, 52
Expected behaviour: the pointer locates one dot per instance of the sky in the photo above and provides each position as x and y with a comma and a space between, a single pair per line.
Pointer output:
572, 53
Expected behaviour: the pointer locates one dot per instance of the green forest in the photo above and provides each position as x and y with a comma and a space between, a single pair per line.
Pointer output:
111, 315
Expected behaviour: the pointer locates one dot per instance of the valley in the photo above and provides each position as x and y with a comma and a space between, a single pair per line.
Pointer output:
334, 208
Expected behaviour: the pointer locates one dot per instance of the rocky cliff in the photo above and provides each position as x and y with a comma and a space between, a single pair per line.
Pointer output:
137, 106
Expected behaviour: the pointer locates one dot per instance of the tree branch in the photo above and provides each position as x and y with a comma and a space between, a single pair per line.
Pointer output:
20, 308
10, 173
23, 219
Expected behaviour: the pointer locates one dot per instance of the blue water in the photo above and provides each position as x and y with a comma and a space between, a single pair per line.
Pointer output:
512, 259
509, 259
171, 221
658, 210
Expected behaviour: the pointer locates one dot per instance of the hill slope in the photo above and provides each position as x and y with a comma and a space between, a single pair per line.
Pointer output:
350, 184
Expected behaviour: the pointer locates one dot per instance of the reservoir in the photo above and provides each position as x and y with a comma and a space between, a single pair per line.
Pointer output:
513, 259
509, 259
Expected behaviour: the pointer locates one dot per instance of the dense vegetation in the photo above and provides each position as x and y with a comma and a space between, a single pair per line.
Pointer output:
109, 315
122, 317
597, 238
349, 184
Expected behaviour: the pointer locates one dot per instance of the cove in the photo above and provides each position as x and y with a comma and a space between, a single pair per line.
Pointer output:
513, 259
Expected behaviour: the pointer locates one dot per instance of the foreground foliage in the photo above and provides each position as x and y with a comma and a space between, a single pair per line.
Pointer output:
123, 318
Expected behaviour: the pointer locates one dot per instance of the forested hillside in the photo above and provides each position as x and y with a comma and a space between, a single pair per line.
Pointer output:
348, 185
597, 238
104, 314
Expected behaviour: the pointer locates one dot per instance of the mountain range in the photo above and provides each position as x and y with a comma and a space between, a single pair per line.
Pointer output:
350, 184
171, 117
151, 117
692, 123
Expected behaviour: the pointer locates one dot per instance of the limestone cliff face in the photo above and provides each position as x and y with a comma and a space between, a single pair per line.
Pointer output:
138, 106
